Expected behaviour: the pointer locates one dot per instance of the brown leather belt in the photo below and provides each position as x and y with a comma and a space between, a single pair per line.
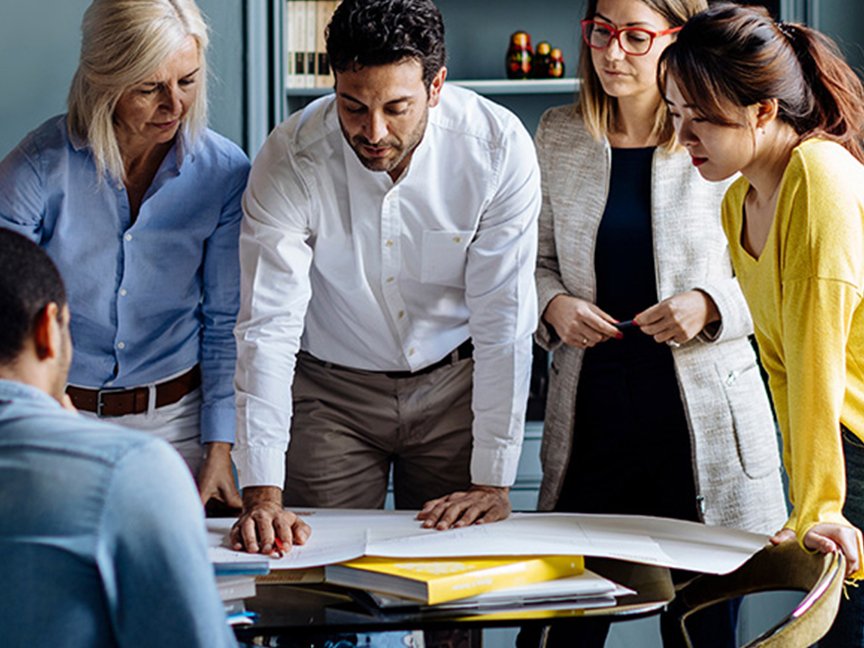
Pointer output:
135, 400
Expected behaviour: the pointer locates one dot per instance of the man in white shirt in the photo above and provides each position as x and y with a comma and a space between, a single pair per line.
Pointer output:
390, 238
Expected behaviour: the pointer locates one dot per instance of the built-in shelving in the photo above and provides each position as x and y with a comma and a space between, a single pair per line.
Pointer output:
483, 86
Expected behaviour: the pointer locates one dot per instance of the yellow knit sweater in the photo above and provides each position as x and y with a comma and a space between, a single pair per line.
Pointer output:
805, 295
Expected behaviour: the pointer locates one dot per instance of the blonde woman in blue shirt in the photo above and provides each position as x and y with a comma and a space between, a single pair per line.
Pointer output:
138, 204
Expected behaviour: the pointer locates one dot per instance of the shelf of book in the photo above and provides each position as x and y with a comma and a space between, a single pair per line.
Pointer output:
483, 86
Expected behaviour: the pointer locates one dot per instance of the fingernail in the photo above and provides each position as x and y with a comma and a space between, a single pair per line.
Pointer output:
619, 336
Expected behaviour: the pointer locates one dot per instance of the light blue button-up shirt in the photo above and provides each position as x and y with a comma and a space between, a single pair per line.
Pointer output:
102, 539
149, 299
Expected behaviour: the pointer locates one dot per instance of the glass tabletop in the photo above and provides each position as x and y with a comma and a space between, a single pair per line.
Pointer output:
295, 610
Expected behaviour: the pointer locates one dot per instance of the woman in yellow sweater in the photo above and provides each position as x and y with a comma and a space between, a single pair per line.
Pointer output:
776, 102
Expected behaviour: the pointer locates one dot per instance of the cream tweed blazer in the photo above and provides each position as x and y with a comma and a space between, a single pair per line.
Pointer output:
735, 456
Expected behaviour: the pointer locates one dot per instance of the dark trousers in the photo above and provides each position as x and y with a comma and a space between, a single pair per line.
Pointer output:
848, 628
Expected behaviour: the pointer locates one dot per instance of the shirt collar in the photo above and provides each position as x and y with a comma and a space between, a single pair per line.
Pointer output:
180, 148
11, 390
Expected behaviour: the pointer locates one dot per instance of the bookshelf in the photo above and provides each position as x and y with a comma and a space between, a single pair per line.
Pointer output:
477, 34
490, 87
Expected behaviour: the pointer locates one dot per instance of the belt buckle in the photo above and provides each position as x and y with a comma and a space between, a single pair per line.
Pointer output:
100, 393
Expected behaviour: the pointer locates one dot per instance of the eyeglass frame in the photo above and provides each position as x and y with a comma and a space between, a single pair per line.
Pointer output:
616, 35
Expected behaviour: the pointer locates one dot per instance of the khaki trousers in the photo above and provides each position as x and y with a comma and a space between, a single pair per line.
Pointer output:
351, 426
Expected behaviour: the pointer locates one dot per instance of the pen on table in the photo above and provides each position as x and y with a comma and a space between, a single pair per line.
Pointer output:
279, 549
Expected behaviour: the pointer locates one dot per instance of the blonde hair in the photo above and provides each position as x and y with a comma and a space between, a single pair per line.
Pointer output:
123, 43
600, 111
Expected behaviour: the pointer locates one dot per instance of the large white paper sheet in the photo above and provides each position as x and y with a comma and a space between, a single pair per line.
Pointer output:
650, 540
339, 535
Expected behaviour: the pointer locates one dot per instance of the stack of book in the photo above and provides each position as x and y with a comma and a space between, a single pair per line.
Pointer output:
474, 582
306, 64
235, 582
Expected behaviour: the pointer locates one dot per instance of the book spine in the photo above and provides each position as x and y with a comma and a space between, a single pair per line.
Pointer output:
289, 43
240, 589
523, 572
287, 52
323, 75
310, 40
298, 37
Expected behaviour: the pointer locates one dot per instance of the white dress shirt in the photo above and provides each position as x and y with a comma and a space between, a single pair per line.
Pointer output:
373, 274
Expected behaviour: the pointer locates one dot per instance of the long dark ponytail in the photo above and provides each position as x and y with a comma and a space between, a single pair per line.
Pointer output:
731, 53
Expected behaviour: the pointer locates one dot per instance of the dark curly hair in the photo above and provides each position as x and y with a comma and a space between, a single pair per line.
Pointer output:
365, 33
29, 281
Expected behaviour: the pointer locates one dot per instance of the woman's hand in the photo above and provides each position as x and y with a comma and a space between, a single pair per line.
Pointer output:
826, 538
579, 323
679, 318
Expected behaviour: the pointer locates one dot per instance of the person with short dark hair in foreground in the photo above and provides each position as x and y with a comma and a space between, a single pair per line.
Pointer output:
101, 533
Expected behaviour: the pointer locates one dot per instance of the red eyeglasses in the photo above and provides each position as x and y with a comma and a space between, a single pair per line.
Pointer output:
634, 41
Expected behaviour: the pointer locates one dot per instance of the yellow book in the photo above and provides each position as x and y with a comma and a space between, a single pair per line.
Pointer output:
436, 580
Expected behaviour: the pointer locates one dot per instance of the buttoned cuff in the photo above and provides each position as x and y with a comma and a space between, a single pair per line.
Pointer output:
494, 467
259, 466
218, 423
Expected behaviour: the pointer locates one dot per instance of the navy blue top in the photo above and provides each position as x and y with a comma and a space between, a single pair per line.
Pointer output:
624, 252
624, 260
629, 413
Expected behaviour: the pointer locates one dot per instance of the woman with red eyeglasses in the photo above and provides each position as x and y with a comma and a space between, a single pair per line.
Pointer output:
656, 402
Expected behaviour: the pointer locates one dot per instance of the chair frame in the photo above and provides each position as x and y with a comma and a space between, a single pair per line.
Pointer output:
821, 576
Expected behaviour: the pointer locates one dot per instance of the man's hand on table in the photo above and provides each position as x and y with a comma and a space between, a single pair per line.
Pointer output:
477, 505
262, 519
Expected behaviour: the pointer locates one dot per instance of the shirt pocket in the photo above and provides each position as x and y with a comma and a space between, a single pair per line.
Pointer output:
443, 257
752, 420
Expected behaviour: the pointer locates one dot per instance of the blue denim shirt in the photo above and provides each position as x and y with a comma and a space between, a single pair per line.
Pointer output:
102, 539
149, 299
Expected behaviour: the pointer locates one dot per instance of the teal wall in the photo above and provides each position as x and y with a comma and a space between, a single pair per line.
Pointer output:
39, 43
843, 20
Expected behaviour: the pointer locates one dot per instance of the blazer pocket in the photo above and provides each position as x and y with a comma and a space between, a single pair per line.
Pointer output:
444, 256
752, 420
